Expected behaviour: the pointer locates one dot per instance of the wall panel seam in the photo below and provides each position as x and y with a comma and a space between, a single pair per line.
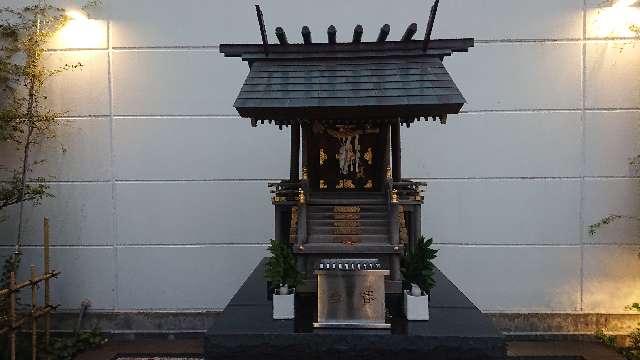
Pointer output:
108, 246
264, 245
583, 156
435, 179
236, 116
114, 208
194, 47
202, 245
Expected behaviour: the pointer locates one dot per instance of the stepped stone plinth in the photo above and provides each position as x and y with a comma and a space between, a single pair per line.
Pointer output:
456, 330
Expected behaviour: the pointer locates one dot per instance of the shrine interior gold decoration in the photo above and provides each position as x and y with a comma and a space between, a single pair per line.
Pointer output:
301, 197
323, 184
347, 227
369, 156
346, 213
293, 228
305, 173
345, 216
368, 185
345, 184
346, 223
394, 196
350, 241
404, 236
323, 156
346, 231
348, 154
346, 209
388, 175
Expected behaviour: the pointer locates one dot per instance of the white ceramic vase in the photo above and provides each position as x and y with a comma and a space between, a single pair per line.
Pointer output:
283, 305
416, 307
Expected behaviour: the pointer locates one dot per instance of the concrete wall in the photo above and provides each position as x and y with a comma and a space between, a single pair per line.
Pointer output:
161, 198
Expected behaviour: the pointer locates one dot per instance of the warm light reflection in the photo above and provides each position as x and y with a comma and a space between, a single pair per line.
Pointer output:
623, 3
77, 14
81, 32
618, 20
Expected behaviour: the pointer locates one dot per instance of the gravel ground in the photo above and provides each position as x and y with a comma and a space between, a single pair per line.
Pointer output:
157, 358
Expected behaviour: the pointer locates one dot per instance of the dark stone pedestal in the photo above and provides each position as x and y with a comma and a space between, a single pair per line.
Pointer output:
456, 330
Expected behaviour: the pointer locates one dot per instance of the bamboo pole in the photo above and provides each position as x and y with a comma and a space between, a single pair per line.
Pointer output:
19, 322
47, 295
52, 274
12, 316
34, 320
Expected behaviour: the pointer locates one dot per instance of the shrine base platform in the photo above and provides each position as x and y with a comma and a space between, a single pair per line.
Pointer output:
456, 330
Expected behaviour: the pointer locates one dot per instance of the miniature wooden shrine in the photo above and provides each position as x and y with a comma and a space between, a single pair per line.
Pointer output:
345, 104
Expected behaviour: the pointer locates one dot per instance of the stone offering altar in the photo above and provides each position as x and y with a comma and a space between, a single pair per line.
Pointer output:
351, 294
347, 213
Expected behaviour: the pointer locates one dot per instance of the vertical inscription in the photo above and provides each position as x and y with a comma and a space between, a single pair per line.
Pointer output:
368, 296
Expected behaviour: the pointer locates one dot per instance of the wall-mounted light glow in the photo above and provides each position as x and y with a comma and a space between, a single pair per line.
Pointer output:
620, 19
77, 14
623, 3
81, 32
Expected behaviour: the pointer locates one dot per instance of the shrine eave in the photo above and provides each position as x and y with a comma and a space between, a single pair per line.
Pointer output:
348, 81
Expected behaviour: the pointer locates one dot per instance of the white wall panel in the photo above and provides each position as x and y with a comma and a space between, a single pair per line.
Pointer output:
515, 278
199, 148
604, 197
86, 273
612, 143
79, 214
83, 91
502, 211
194, 212
183, 277
200, 82
611, 276
519, 76
609, 79
81, 151
539, 144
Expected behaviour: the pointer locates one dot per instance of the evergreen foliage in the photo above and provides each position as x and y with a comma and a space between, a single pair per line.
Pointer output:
417, 264
281, 266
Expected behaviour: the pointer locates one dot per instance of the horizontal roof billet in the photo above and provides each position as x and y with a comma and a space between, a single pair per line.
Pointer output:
454, 45
247, 87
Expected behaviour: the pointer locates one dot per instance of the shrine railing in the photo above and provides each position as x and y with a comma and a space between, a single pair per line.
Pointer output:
409, 191
294, 194
285, 191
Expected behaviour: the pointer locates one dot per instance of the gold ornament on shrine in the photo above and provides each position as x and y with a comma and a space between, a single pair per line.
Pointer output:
323, 156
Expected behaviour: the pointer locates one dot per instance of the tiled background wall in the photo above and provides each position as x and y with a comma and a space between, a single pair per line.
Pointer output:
161, 198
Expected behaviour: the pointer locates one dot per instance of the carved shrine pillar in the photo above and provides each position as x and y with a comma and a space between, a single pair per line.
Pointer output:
295, 152
396, 150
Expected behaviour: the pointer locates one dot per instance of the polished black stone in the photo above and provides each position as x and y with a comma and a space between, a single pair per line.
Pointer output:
456, 330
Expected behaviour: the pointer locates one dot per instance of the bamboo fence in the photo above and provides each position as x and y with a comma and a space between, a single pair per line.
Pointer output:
16, 322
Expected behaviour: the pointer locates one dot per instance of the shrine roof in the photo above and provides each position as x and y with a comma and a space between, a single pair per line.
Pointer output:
357, 80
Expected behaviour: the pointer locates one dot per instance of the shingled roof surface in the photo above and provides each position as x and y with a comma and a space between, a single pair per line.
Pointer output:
420, 85
348, 81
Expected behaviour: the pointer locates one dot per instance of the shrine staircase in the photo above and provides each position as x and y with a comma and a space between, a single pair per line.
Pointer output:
355, 219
